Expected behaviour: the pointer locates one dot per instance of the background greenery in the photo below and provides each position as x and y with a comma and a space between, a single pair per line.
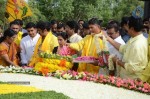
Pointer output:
77, 9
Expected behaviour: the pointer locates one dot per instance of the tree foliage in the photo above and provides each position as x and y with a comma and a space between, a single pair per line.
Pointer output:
77, 9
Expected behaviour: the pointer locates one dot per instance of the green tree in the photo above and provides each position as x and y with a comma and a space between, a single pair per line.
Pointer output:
36, 13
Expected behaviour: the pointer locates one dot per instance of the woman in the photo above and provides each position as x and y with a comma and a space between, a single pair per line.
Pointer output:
62, 49
8, 50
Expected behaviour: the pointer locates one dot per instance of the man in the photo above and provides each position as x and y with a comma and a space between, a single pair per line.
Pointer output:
46, 42
71, 30
113, 32
134, 52
53, 26
21, 25
86, 30
89, 46
124, 29
60, 28
28, 43
14, 25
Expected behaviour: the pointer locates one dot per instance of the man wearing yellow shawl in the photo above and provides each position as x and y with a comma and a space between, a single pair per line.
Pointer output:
14, 25
90, 46
146, 73
46, 42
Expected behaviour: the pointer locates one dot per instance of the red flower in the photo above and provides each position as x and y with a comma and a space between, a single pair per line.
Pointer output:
44, 71
62, 63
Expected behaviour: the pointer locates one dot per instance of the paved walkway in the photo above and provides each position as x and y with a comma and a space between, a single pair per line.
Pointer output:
74, 89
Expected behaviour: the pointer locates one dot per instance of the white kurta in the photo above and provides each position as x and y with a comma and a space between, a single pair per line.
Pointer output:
75, 38
27, 48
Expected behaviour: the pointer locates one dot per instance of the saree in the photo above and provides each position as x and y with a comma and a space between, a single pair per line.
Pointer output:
11, 51
47, 45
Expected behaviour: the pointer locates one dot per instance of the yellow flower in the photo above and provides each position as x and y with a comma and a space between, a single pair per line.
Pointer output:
10, 88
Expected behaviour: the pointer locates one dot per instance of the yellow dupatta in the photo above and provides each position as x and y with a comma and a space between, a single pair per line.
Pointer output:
47, 45
146, 73
88, 47
18, 38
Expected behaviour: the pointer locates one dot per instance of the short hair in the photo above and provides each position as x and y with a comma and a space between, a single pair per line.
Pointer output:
136, 23
124, 21
14, 23
95, 21
53, 22
115, 26
85, 25
43, 25
61, 25
19, 21
80, 20
73, 25
63, 35
30, 25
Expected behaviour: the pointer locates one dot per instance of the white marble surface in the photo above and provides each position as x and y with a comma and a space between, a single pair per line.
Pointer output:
74, 89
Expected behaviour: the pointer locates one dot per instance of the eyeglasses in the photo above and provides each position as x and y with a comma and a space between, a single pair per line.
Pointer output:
110, 33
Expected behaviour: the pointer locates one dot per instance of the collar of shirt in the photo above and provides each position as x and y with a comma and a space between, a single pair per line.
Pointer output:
71, 37
135, 38
37, 35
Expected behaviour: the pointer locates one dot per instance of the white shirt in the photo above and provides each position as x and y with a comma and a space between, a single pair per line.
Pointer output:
75, 38
113, 50
27, 48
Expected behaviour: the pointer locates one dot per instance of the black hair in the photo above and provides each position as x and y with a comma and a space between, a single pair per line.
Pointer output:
19, 21
63, 35
85, 25
53, 22
80, 20
95, 21
30, 25
124, 21
136, 23
7, 33
146, 19
24, 35
43, 25
114, 24
14, 23
73, 25
61, 25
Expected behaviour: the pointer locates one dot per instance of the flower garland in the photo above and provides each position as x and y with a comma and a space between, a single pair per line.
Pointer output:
103, 53
111, 80
85, 76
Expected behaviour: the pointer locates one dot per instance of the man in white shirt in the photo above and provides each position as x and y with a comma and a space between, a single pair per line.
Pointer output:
28, 43
113, 32
72, 29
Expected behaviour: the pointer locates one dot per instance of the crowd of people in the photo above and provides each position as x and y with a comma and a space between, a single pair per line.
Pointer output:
127, 41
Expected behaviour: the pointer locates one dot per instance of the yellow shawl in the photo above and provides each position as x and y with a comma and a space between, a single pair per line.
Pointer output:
146, 73
89, 48
47, 45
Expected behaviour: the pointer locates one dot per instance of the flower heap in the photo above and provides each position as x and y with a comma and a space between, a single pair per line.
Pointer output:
114, 81
85, 59
51, 62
